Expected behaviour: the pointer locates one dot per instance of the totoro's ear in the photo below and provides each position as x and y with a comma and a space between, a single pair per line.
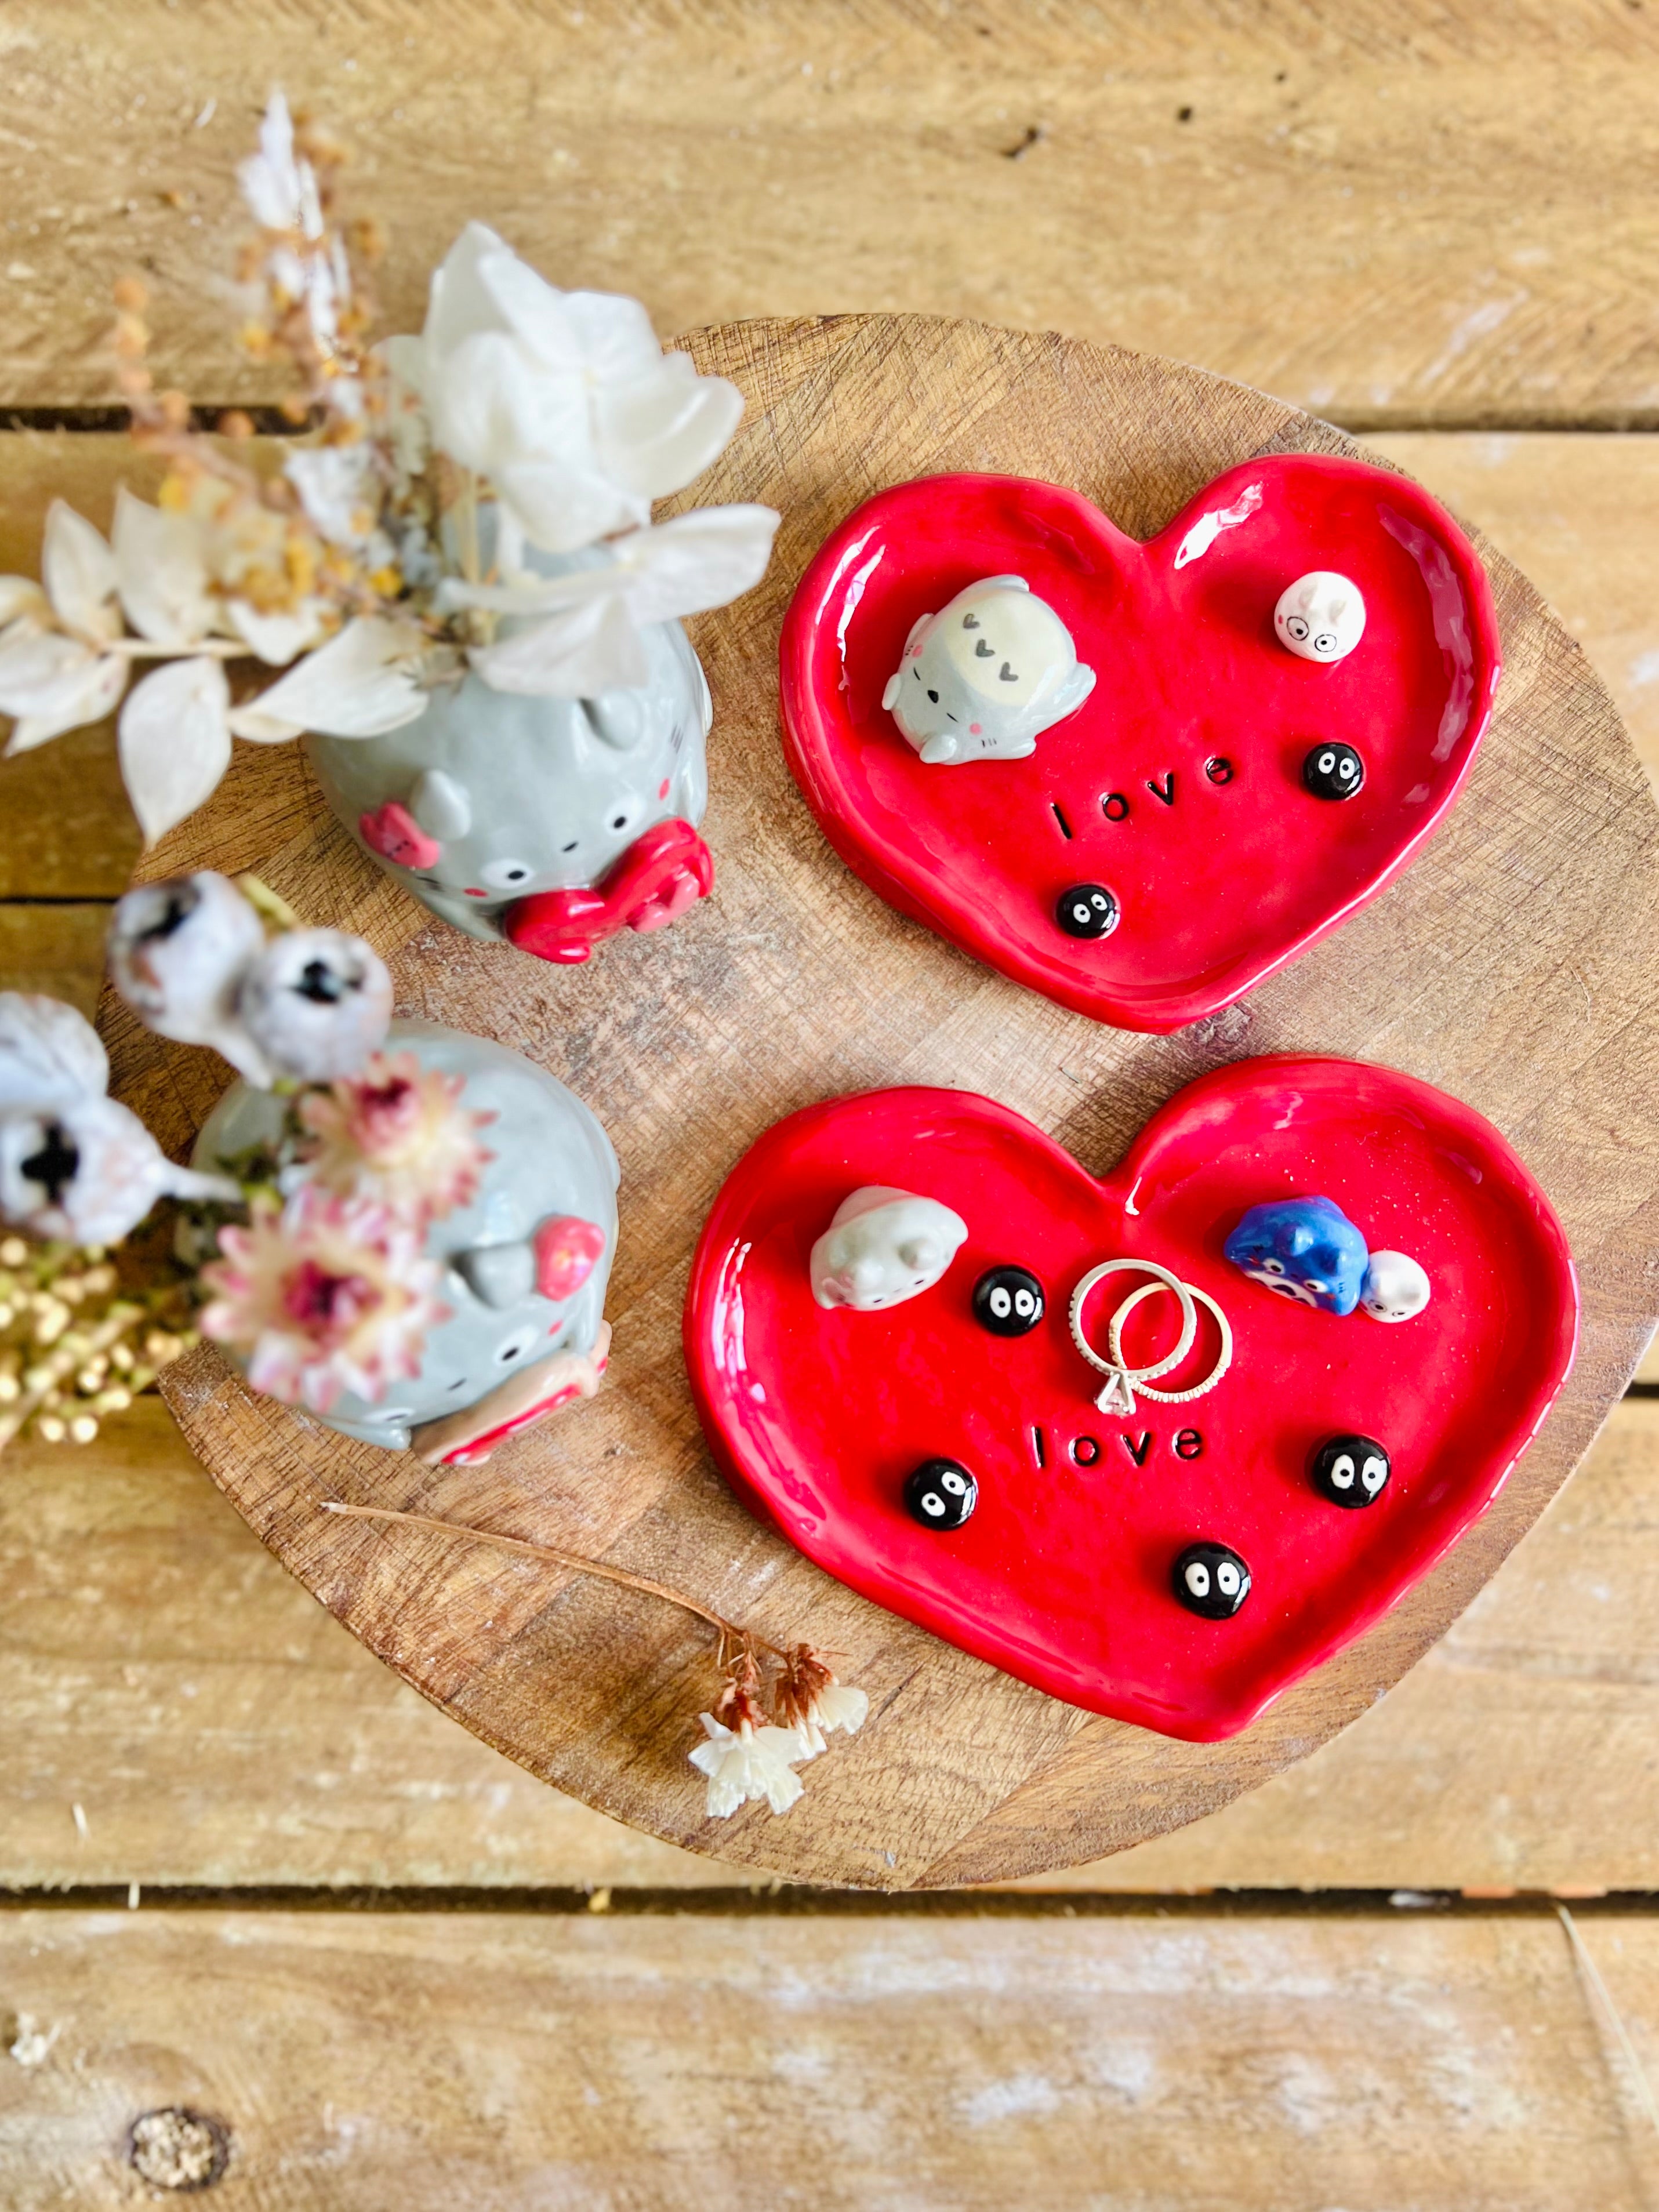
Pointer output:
620, 719
890, 697
1078, 684
498, 1274
866, 1274
566, 1251
920, 1253
1003, 584
1302, 1237
915, 630
441, 805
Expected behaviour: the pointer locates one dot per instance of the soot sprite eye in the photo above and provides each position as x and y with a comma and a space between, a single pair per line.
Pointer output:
1087, 910
1332, 772
1352, 1470
1210, 1580
1008, 1301
941, 1493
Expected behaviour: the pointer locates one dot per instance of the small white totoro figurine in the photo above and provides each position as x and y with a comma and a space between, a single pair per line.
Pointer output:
1396, 1289
1321, 616
986, 676
883, 1247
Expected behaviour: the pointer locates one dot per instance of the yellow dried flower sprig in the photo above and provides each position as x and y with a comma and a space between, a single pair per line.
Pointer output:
75, 1343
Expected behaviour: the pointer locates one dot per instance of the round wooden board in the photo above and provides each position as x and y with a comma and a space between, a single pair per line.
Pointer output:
1516, 965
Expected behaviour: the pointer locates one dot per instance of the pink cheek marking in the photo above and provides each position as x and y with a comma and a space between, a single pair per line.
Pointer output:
473, 894
974, 729
662, 788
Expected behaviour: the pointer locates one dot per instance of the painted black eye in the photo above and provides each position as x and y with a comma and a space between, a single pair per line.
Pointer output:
1008, 1301
1351, 1470
941, 1493
933, 695
1211, 1581
1297, 627
1087, 910
1332, 772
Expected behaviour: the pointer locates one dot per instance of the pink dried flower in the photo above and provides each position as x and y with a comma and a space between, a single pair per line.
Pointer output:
397, 1133
323, 1295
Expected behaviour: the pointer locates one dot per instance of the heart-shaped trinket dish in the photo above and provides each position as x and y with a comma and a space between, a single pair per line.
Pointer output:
1139, 779
1329, 1304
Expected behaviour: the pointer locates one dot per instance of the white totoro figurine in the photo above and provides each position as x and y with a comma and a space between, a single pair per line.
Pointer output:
525, 1262
1396, 1287
986, 676
883, 1247
1321, 616
553, 822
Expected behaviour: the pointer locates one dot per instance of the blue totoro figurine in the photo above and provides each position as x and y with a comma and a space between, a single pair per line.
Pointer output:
1304, 1248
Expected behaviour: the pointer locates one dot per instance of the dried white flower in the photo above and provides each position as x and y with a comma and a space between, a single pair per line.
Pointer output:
316, 1003
280, 187
179, 951
579, 633
814, 1704
88, 1171
564, 400
747, 1763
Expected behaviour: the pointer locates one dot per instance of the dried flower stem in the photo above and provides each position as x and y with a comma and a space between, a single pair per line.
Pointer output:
729, 1632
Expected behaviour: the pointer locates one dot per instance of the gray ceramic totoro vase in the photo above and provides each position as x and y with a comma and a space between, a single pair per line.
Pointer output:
510, 1354
553, 822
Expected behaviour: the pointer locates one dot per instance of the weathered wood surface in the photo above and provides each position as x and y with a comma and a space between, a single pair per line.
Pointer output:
215, 1726
797, 983
1392, 213
844, 2062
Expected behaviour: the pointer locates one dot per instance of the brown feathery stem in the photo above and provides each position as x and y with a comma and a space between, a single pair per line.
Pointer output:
621, 1576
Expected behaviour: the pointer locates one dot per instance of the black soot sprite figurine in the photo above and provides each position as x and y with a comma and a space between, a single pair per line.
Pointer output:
1332, 771
941, 1493
1350, 1471
1211, 1581
1008, 1301
1087, 910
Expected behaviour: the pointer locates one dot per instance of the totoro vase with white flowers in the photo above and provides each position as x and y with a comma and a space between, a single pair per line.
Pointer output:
458, 574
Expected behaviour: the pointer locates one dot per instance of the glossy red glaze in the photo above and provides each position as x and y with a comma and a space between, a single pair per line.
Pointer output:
662, 872
1062, 1575
1220, 882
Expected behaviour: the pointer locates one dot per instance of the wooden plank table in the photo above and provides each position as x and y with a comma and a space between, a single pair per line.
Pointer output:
1431, 224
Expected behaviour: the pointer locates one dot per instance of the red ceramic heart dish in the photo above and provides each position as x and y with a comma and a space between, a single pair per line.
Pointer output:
1063, 1574
1177, 784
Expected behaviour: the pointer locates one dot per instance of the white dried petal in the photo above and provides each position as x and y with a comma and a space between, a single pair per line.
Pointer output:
174, 742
